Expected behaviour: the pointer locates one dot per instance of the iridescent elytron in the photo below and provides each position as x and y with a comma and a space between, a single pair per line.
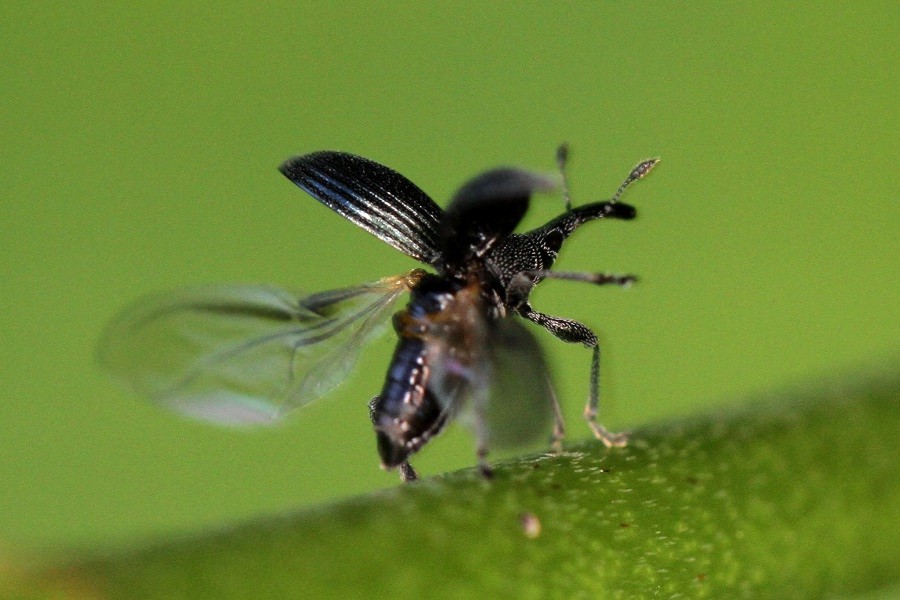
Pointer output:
241, 354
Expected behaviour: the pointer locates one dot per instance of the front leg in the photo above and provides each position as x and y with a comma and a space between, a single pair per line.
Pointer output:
572, 331
595, 278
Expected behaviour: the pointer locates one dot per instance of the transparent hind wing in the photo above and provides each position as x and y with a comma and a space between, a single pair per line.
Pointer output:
244, 355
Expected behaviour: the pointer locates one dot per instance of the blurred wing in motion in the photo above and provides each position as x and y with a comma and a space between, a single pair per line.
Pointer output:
375, 197
518, 409
493, 372
244, 355
486, 209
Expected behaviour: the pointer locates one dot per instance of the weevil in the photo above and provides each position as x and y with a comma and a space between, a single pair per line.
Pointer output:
242, 354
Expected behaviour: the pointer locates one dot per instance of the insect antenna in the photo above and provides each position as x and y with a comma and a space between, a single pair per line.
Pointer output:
638, 172
562, 157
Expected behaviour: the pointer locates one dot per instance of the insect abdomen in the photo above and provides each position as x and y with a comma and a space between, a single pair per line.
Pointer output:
406, 414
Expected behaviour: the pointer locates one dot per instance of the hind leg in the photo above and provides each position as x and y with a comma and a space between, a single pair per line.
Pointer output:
407, 473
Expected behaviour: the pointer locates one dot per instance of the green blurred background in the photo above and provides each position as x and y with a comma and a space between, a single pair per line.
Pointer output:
139, 147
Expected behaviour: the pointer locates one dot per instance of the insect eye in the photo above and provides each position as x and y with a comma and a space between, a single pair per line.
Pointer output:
554, 240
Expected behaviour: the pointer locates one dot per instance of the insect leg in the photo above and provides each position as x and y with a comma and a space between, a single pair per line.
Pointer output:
520, 285
481, 435
484, 467
595, 278
407, 473
567, 330
608, 438
559, 425
572, 331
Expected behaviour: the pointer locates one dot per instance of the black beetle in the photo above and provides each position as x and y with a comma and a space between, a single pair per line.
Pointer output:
246, 354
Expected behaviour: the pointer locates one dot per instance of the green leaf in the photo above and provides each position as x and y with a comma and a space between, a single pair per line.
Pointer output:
791, 497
